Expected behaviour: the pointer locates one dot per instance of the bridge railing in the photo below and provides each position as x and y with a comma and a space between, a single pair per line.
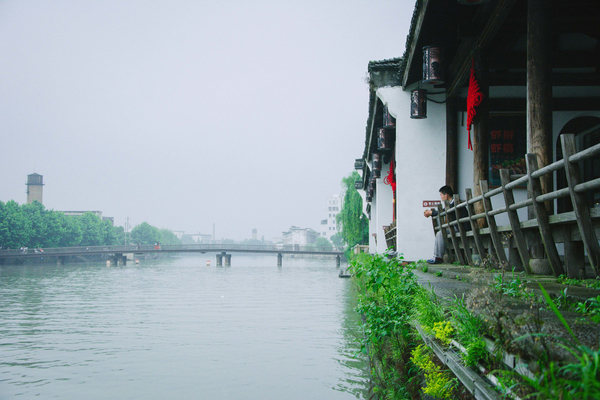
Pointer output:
202, 247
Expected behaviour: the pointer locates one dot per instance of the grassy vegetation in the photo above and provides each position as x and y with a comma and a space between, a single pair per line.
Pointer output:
392, 303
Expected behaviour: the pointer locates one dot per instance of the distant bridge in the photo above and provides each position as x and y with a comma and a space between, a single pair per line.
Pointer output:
118, 254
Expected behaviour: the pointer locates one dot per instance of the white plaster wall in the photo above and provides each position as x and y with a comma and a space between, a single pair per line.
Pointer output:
384, 212
373, 226
420, 170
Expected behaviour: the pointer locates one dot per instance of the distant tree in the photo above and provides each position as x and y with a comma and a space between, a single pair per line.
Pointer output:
187, 239
119, 233
352, 224
145, 233
168, 237
323, 243
34, 213
54, 228
337, 240
92, 229
14, 226
72, 232
109, 235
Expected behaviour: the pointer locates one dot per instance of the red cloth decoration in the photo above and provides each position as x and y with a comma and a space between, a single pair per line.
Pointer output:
474, 99
390, 179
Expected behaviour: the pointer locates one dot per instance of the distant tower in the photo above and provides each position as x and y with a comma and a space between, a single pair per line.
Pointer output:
35, 183
254, 232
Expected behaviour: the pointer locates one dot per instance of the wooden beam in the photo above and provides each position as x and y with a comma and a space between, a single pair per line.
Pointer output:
415, 39
558, 104
460, 66
452, 143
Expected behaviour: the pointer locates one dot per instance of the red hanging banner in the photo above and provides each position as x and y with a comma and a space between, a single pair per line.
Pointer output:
474, 99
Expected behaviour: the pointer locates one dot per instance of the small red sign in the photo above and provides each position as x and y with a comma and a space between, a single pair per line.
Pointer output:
431, 203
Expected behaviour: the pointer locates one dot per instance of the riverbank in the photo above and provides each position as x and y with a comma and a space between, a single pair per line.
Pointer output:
495, 332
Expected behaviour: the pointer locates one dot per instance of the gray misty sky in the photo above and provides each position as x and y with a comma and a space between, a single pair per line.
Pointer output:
245, 114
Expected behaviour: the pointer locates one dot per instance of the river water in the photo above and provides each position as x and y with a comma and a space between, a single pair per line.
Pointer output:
177, 328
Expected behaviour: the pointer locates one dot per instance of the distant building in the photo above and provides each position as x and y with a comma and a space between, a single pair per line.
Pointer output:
329, 226
299, 236
200, 237
254, 234
179, 234
35, 185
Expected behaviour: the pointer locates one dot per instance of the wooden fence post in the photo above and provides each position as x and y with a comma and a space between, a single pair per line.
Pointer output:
513, 217
463, 232
475, 225
487, 205
453, 235
542, 216
584, 222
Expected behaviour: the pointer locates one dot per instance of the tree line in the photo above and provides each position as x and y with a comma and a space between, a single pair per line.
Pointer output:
33, 226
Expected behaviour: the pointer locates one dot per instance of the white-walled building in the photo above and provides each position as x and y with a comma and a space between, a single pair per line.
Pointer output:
299, 236
328, 225
422, 113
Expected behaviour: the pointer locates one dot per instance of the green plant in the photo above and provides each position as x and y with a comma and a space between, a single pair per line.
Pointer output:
591, 307
437, 382
514, 286
427, 309
579, 379
593, 284
469, 331
438, 273
443, 331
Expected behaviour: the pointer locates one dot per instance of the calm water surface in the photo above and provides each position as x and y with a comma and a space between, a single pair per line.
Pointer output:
175, 328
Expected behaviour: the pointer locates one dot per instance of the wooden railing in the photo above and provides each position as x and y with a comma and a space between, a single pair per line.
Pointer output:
578, 229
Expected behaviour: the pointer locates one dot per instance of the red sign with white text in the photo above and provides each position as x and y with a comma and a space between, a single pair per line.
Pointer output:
431, 203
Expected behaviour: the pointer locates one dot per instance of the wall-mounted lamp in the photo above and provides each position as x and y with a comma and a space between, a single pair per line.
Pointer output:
359, 163
376, 165
389, 122
432, 65
384, 140
418, 104
358, 185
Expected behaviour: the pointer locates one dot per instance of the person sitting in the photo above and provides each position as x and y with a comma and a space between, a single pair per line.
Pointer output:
446, 193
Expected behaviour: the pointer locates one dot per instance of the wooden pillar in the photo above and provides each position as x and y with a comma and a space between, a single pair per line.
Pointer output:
338, 260
480, 133
279, 259
452, 143
539, 87
227, 258
219, 260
